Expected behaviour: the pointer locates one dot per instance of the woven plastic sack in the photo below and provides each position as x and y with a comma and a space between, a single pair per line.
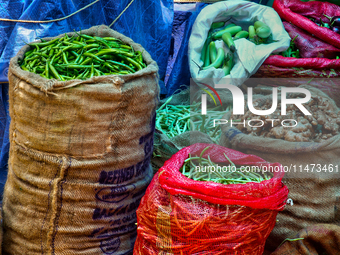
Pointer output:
79, 158
250, 56
178, 215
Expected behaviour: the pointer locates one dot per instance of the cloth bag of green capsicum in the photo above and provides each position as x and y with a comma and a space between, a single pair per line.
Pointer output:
248, 56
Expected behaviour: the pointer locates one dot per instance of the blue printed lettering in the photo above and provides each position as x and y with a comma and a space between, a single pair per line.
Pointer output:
131, 217
110, 245
140, 193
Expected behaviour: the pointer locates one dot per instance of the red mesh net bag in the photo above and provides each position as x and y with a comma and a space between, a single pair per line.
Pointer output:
297, 13
318, 48
309, 46
317, 58
318, 45
181, 216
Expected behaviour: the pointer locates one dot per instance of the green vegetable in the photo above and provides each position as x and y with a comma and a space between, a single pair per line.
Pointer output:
252, 33
212, 51
218, 61
228, 64
173, 120
232, 176
263, 32
241, 34
259, 23
121, 64
292, 51
232, 30
226, 37
42, 44
207, 55
54, 72
230, 25
204, 49
217, 25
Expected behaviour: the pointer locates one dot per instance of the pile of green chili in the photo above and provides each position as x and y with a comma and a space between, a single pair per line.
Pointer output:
81, 57
203, 169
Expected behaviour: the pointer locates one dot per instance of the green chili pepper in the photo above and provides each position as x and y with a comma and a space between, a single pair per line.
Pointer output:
121, 64
73, 66
114, 51
54, 72
92, 71
42, 44
135, 63
47, 70
24, 68
87, 54
89, 46
111, 67
65, 58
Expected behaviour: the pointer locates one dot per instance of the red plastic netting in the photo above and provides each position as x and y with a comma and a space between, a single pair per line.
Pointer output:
317, 44
178, 215
309, 46
316, 58
297, 13
318, 48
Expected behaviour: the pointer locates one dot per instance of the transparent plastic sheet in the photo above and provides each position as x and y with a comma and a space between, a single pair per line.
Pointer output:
151, 27
178, 71
248, 56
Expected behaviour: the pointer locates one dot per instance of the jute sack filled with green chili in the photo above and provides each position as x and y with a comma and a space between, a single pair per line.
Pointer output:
79, 159
309, 153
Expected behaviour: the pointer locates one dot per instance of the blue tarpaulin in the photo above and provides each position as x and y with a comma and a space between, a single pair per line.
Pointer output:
4, 135
178, 72
148, 22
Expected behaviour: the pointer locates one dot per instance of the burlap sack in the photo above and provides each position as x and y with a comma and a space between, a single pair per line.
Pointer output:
79, 159
315, 195
317, 239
